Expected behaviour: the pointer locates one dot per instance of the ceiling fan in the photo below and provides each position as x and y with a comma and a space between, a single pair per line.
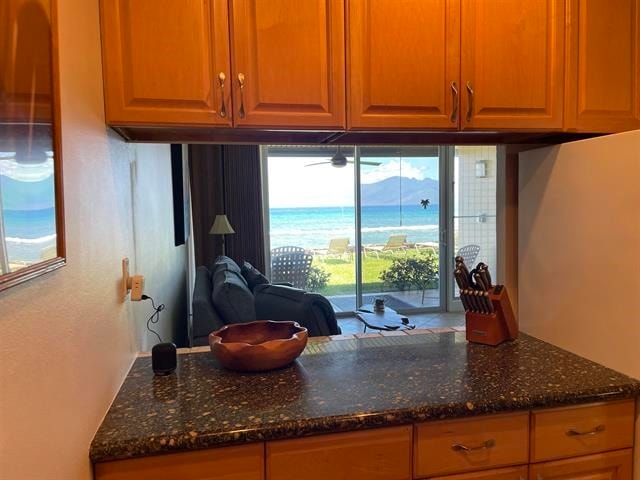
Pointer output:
339, 161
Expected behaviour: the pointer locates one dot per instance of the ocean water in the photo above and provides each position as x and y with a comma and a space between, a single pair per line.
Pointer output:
28, 233
314, 227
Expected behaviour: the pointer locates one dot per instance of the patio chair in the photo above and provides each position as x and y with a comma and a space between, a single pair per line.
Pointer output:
338, 248
469, 253
396, 243
290, 265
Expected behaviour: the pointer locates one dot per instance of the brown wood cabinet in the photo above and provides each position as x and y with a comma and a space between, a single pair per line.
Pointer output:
604, 466
603, 66
25, 61
511, 473
230, 463
490, 447
512, 64
403, 64
382, 454
471, 444
288, 63
162, 60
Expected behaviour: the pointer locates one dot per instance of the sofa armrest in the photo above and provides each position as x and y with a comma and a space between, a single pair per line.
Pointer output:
205, 316
311, 310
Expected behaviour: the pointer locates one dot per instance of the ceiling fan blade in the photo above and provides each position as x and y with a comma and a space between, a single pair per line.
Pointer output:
319, 163
375, 164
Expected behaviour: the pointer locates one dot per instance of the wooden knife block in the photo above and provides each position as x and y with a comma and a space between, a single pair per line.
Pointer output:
495, 328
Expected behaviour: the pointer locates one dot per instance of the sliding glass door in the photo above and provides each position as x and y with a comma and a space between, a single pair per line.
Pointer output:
367, 222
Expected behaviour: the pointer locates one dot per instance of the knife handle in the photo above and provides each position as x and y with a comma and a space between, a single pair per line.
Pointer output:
485, 295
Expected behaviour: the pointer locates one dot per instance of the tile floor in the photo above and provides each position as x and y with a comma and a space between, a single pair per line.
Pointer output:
351, 325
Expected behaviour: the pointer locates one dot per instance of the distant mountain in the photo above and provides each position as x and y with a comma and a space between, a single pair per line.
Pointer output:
388, 191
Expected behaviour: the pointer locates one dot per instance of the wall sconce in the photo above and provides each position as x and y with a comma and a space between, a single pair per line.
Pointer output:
481, 169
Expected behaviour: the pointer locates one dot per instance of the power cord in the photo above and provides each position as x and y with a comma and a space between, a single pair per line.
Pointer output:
155, 317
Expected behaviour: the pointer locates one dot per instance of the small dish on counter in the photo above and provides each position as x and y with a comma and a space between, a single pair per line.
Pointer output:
258, 346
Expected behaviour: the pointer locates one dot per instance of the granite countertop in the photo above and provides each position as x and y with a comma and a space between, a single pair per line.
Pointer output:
344, 385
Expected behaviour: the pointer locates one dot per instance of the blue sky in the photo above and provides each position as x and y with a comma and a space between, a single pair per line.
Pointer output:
291, 184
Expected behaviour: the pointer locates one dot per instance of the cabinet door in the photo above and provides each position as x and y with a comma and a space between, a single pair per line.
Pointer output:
403, 64
604, 466
25, 61
379, 454
603, 66
290, 54
245, 462
162, 59
512, 473
512, 64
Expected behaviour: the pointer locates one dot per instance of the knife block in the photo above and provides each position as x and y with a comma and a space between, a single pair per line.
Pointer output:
494, 328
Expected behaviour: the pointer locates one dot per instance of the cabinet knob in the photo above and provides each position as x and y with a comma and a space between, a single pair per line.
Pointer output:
470, 92
241, 112
221, 78
454, 95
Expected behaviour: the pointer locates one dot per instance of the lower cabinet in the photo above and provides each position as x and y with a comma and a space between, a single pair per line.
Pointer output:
603, 466
511, 473
382, 454
587, 442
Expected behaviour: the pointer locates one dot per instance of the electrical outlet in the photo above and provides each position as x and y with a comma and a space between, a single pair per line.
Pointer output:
124, 289
137, 287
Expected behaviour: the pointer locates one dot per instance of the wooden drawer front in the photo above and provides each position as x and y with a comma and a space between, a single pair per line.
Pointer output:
230, 463
602, 466
382, 454
438, 446
511, 473
568, 432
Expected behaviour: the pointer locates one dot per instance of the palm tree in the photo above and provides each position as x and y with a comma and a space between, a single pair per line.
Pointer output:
425, 203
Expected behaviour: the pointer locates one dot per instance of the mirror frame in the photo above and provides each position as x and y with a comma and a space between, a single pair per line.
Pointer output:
32, 271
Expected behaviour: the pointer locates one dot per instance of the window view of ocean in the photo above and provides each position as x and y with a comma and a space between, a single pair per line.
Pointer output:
312, 228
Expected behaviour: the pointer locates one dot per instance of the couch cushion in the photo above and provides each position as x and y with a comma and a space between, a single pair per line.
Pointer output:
225, 263
232, 298
253, 276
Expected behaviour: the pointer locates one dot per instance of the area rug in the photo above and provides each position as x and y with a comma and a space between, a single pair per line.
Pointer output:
346, 304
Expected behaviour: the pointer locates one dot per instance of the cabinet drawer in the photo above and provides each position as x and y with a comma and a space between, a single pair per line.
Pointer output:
380, 454
510, 473
572, 431
602, 466
471, 444
230, 463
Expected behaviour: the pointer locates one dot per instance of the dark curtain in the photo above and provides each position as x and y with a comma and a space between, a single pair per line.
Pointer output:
227, 179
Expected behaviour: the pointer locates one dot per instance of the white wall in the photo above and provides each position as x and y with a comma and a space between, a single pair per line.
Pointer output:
66, 339
579, 248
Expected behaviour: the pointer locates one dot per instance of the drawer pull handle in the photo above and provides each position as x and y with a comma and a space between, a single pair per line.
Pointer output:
459, 447
471, 94
576, 433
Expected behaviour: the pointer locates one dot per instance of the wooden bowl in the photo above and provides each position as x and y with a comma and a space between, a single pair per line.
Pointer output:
258, 346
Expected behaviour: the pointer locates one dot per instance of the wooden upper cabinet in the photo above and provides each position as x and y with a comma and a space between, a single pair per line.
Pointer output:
162, 59
512, 64
290, 55
603, 66
403, 57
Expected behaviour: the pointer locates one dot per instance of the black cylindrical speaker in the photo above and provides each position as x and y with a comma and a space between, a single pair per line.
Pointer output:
164, 358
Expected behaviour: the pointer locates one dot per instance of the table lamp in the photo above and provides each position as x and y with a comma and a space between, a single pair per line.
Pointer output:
221, 226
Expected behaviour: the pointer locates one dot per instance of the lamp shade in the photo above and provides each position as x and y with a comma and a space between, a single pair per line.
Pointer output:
221, 226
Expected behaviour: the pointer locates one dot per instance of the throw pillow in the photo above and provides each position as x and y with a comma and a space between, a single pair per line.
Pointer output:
253, 276
232, 298
225, 263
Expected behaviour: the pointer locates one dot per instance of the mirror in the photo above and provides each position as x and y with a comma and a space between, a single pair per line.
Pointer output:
31, 214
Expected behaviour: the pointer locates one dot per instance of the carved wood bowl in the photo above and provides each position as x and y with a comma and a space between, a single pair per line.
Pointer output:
258, 346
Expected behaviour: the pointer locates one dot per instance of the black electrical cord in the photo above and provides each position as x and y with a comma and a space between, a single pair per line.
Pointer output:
155, 317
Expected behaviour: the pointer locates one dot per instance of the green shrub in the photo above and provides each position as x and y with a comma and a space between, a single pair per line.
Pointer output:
317, 279
419, 271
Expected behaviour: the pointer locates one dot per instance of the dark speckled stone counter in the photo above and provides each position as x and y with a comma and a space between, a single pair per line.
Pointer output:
344, 385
